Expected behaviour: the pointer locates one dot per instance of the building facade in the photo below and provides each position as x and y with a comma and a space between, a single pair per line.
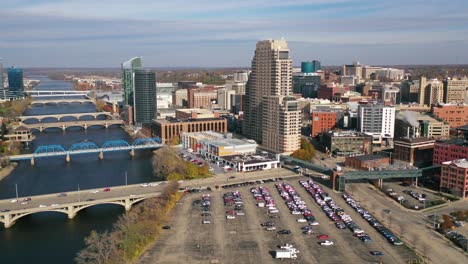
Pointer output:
346, 143
310, 66
15, 81
322, 121
454, 114
416, 151
454, 177
271, 75
377, 121
306, 84
409, 124
144, 97
128, 68
202, 97
224, 98
170, 128
456, 90
281, 124
450, 150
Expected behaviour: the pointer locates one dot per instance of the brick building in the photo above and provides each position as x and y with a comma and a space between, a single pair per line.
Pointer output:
367, 162
455, 114
454, 177
417, 151
322, 121
202, 97
170, 128
450, 150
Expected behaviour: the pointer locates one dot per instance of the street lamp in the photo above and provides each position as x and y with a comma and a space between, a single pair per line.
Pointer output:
79, 196
126, 182
16, 188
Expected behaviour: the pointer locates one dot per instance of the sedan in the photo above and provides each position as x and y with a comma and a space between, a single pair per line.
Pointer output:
42, 205
14, 201
376, 253
301, 220
322, 236
62, 195
27, 199
327, 243
107, 189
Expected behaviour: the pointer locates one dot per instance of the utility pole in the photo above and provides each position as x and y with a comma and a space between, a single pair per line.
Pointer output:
16, 188
126, 182
79, 196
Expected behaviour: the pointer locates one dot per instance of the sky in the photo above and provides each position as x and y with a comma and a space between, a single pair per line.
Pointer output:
214, 33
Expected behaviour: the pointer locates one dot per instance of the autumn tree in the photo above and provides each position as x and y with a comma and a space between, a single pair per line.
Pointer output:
98, 250
447, 223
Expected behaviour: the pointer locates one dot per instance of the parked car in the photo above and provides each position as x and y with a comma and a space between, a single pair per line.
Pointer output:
322, 236
327, 243
107, 189
376, 253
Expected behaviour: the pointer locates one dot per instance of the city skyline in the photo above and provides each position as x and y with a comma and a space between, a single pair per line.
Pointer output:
39, 33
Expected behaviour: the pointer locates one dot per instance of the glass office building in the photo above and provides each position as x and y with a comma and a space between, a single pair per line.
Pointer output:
127, 79
15, 81
144, 97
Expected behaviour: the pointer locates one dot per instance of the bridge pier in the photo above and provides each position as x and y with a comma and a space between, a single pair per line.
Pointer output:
64, 128
7, 221
67, 158
85, 126
128, 205
32, 162
132, 153
101, 155
71, 212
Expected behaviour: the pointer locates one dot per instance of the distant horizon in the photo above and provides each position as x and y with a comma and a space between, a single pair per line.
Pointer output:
208, 33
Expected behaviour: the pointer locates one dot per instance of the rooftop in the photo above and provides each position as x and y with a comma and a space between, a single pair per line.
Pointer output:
347, 134
415, 140
250, 159
461, 163
369, 157
175, 120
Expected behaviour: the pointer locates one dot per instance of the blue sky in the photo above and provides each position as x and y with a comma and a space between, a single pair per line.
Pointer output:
213, 33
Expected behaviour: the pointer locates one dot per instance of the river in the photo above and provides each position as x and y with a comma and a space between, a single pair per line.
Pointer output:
52, 237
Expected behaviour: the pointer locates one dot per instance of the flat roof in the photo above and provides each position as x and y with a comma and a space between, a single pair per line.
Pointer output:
368, 157
461, 163
175, 120
415, 140
249, 159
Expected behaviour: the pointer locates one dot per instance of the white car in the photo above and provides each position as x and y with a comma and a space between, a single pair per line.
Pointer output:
295, 212
24, 203
153, 184
327, 243
314, 223
95, 191
13, 201
301, 220
55, 204
42, 205
273, 211
132, 195
230, 217
144, 185
206, 222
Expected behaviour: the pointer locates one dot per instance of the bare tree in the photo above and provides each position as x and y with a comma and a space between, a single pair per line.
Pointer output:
98, 250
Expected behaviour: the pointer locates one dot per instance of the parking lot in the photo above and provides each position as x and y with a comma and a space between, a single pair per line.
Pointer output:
244, 239
414, 198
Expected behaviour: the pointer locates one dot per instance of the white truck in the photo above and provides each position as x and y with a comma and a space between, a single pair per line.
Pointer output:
285, 254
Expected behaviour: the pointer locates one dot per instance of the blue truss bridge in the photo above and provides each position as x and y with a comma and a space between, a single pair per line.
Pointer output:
88, 148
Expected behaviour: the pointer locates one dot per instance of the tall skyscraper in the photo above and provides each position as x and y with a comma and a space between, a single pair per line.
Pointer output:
144, 96
271, 75
128, 68
15, 81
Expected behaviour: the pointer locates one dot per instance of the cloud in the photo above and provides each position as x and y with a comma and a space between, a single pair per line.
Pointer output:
105, 31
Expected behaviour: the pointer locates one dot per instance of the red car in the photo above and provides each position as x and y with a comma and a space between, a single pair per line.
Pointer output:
322, 236
107, 189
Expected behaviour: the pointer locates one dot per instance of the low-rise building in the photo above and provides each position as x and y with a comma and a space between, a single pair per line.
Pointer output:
367, 162
195, 113
346, 143
450, 150
232, 154
416, 151
170, 128
454, 177
411, 124
454, 114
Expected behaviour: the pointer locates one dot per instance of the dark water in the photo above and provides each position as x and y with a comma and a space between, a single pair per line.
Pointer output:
52, 237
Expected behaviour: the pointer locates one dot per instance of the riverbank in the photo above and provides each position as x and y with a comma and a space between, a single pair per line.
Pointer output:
4, 172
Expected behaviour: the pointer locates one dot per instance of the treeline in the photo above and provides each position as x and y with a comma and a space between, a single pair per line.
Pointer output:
13, 109
169, 166
132, 233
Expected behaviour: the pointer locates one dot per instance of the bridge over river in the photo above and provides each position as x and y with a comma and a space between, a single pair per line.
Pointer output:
89, 147
58, 117
71, 203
